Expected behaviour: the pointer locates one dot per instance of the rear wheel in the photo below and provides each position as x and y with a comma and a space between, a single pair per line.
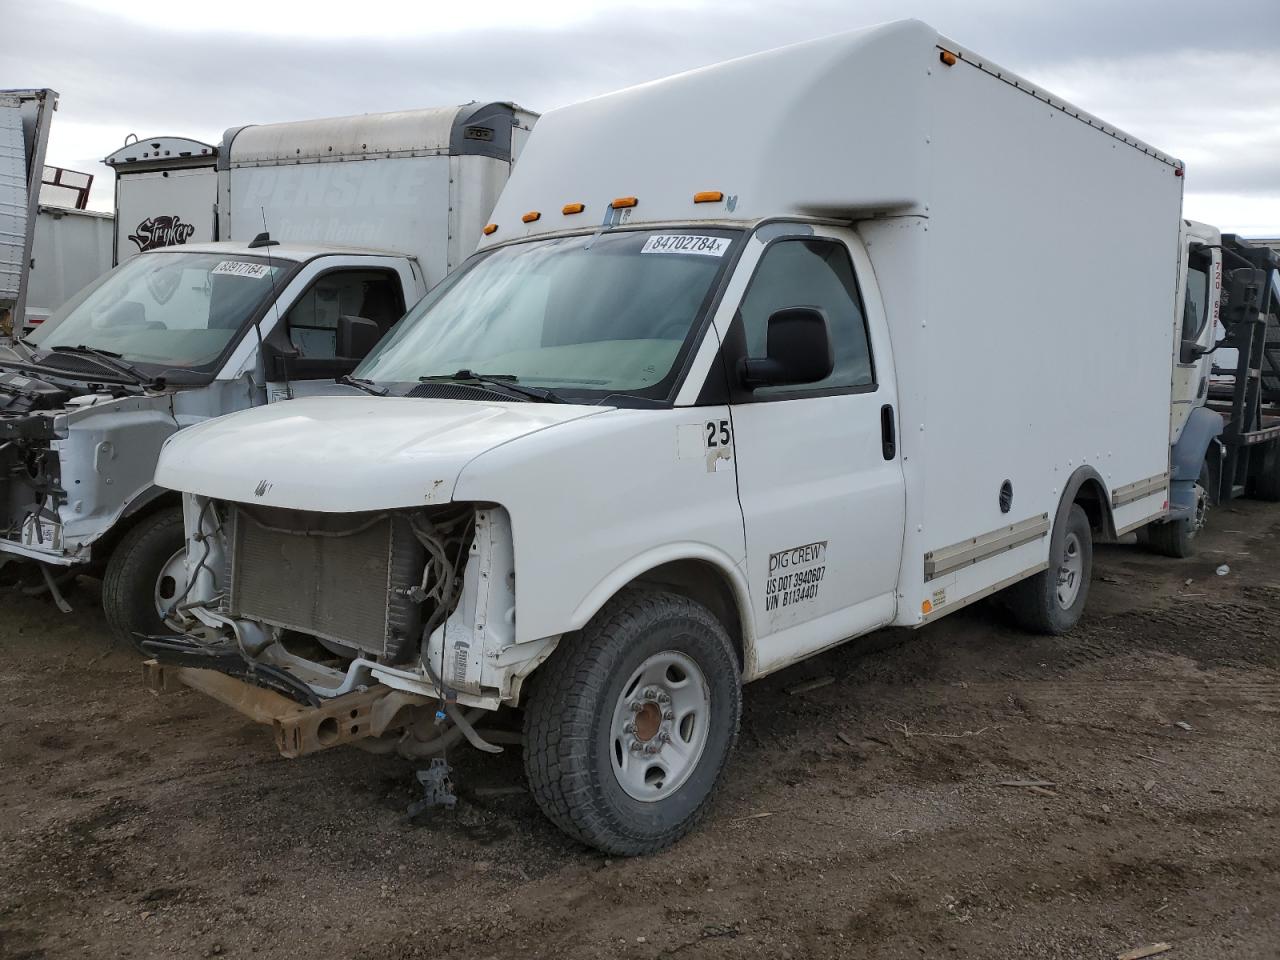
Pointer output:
630, 724
144, 577
1053, 600
1266, 483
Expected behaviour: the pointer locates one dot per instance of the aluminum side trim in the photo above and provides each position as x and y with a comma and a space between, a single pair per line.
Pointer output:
979, 548
1131, 492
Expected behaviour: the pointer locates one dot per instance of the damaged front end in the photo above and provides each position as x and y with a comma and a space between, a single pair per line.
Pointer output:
30, 469
75, 454
394, 629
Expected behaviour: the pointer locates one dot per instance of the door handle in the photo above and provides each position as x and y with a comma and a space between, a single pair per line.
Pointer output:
888, 436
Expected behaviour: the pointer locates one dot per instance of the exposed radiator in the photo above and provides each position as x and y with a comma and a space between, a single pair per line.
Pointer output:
341, 577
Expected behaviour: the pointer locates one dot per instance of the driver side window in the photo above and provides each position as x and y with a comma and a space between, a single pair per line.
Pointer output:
817, 273
312, 321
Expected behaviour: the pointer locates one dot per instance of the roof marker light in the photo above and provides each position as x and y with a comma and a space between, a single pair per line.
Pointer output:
620, 202
490, 228
949, 58
569, 208
708, 196
531, 216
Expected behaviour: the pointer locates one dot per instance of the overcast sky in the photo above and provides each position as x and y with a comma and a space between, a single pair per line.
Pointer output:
1200, 80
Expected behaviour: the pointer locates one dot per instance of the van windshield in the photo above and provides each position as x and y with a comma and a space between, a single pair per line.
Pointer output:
599, 314
174, 310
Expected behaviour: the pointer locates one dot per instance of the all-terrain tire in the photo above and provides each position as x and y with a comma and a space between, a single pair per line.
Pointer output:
569, 740
130, 582
1034, 602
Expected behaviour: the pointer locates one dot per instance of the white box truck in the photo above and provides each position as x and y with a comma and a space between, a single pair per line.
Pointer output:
186, 331
751, 361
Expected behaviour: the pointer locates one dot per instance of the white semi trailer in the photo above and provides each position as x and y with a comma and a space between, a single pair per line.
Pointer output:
186, 330
25, 119
751, 361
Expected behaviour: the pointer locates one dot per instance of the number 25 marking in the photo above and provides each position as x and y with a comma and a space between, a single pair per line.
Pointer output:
718, 434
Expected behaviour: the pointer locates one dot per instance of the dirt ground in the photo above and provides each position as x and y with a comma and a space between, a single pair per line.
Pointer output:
863, 818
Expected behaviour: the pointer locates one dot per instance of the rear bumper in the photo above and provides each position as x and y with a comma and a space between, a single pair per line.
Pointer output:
298, 729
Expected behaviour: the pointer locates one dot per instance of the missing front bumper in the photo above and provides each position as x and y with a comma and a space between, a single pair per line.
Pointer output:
298, 729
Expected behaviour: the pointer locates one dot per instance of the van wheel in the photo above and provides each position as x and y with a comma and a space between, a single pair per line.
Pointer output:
1177, 538
1052, 601
145, 575
630, 723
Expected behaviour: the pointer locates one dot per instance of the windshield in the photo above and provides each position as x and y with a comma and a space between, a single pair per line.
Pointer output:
170, 309
604, 313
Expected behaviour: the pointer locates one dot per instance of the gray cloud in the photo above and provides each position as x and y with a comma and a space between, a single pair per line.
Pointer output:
126, 77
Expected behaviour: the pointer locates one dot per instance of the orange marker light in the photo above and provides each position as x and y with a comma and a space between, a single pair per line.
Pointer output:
926, 608
489, 228
624, 202
531, 216
708, 196
569, 208
949, 58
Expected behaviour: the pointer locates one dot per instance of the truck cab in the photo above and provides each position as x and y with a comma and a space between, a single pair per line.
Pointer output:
171, 337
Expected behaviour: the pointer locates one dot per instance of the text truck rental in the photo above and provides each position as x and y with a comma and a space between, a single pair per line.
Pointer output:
750, 361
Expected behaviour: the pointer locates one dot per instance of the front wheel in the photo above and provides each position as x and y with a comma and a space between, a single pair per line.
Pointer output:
1177, 538
145, 575
630, 723
1052, 601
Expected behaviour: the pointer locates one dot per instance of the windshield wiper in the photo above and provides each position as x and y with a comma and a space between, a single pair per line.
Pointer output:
505, 381
361, 384
108, 358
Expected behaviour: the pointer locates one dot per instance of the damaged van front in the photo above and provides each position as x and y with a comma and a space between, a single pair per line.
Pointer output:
386, 569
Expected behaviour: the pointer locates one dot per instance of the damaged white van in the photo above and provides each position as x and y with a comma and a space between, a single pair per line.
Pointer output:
751, 361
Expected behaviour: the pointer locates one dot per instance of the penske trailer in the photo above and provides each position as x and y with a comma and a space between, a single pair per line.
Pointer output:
751, 361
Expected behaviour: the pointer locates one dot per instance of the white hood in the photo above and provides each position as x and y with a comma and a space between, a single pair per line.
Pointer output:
347, 454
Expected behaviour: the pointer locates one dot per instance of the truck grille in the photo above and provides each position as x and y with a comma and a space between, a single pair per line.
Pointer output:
340, 577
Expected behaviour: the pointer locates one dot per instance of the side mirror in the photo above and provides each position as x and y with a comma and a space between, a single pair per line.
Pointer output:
798, 347
356, 337
1245, 287
1191, 351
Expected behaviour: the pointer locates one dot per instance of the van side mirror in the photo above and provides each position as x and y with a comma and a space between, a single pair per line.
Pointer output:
356, 337
798, 348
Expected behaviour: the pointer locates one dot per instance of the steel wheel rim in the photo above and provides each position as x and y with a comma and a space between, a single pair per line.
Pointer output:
1070, 572
660, 726
168, 583
1202, 510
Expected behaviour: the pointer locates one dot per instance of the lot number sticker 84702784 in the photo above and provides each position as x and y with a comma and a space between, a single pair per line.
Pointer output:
686, 243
